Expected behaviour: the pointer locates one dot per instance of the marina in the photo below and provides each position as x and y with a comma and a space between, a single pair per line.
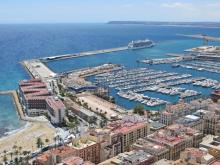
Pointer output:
135, 84
209, 66
131, 84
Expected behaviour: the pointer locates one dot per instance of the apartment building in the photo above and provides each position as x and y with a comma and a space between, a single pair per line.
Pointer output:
158, 150
191, 121
212, 144
133, 157
176, 138
33, 94
56, 110
87, 148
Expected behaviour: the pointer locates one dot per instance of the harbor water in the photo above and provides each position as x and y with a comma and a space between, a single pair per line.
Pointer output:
28, 41
9, 119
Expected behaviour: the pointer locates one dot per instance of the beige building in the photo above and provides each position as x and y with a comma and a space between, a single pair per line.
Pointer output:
156, 149
196, 156
176, 138
211, 123
191, 121
173, 112
212, 143
131, 158
87, 148
118, 136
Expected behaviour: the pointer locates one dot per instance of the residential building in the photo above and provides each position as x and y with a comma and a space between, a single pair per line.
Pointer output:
155, 126
173, 112
38, 100
215, 95
196, 156
192, 121
158, 150
56, 110
212, 143
54, 156
211, 123
118, 136
33, 94
87, 148
130, 128
176, 138
215, 162
131, 158
75, 161
164, 162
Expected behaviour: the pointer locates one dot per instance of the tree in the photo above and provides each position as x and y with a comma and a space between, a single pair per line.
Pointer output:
39, 143
72, 126
47, 140
5, 159
92, 120
139, 109
20, 149
11, 154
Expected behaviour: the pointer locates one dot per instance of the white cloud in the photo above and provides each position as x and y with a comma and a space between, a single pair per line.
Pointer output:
178, 5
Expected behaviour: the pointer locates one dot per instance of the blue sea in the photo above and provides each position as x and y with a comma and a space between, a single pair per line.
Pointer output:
27, 41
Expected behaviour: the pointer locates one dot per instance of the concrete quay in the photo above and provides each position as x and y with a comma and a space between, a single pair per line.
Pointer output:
37, 69
91, 71
88, 53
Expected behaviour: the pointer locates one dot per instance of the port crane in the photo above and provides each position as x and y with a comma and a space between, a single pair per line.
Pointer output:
204, 37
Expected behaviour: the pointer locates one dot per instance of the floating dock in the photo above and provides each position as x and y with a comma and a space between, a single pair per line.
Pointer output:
88, 53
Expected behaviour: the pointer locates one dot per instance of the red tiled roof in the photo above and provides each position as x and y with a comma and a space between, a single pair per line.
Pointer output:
54, 103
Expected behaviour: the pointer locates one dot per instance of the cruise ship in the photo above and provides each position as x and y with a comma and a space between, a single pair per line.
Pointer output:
139, 44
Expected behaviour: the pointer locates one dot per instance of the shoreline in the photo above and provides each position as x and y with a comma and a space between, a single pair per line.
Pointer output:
15, 131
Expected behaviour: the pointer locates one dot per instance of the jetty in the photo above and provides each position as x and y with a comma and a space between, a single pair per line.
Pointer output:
167, 60
38, 69
88, 53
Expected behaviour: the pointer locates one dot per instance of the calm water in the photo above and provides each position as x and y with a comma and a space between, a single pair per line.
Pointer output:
9, 119
19, 42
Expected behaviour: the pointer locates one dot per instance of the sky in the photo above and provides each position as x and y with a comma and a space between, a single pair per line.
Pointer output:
83, 11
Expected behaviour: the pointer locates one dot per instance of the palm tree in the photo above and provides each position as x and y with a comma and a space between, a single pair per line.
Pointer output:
5, 159
47, 140
92, 120
56, 139
15, 147
20, 149
72, 126
39, 143
11, 154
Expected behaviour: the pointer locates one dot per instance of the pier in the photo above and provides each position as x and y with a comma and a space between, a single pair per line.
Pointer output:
169, 60
91, 71
38, 69
88, 53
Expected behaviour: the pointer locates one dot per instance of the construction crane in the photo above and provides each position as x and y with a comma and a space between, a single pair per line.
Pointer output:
204, 37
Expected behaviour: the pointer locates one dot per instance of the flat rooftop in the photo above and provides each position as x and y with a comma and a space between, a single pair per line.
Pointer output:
150, 147
38, 69
132, 157
83, 142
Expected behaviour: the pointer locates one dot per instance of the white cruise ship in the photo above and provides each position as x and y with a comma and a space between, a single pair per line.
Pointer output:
139, 44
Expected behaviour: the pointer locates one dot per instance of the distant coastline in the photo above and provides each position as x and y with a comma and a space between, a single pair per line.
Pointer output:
154, 23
